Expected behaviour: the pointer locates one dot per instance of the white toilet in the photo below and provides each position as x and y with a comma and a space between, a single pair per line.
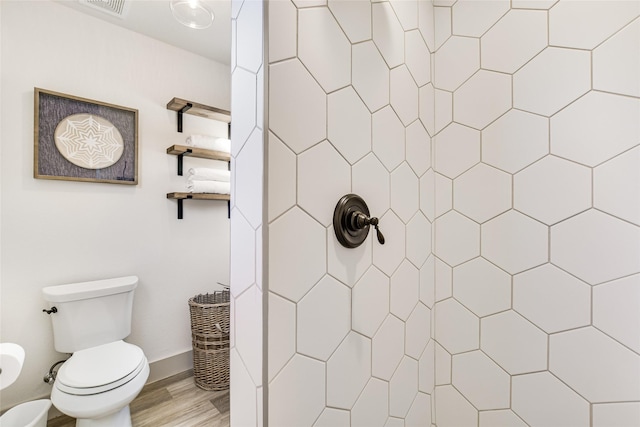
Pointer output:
104, 374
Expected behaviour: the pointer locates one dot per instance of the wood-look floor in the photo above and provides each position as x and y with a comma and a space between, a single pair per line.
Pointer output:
172, 402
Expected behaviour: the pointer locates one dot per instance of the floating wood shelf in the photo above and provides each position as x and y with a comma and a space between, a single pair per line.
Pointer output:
183, 150
195, 196
187, 107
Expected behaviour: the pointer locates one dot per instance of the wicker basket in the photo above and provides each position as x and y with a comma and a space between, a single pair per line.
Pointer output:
210, 339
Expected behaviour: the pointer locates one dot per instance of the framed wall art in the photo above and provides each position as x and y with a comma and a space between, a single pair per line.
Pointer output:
79, 139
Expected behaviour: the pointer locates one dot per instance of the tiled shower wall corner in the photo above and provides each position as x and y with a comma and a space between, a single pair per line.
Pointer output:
350, 102
537, 237
531, 189
247, 153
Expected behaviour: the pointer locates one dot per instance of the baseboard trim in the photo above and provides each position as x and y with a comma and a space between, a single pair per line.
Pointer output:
170, 366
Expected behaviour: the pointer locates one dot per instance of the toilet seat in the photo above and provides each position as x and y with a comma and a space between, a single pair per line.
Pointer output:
100, 369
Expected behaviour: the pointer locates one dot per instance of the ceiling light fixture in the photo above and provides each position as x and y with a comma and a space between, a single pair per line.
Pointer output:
192, 13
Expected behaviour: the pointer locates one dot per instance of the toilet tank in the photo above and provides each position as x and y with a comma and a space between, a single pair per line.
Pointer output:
90, 313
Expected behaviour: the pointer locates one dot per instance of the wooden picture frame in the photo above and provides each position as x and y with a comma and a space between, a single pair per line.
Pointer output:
78, 139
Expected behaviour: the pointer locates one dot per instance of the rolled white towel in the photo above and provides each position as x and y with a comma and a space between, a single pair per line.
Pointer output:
209, 143
216, 187
209, 174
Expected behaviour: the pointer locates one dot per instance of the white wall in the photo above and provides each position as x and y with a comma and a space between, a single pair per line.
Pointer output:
56, 232
537, 235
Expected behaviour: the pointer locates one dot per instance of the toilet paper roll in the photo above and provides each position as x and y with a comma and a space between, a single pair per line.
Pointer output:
11, 360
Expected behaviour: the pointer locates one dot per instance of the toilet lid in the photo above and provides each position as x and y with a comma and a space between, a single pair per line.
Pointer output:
101, 368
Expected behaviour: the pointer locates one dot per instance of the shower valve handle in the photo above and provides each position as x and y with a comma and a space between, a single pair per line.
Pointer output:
360, 221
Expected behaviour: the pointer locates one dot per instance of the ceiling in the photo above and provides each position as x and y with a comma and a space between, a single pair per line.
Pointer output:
154, 19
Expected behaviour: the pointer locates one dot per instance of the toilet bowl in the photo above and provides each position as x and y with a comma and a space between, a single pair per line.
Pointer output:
29, 414
104, 373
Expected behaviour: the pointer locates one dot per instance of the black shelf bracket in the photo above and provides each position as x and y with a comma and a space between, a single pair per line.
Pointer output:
180, 156
180, 113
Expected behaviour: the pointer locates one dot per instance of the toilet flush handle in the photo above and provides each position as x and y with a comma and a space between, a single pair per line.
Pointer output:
53, 310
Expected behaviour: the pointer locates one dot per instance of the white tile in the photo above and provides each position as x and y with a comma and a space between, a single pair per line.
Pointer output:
552, 189
482, 99
281, 177
249, 37
482, 193
371, 409
616, 310
388, 257
394, 422
443, 366
387, 348
456, 61
388, 34
515, 140
370, 75
309, 3
418, 239
474, 17
452, 409
248, 184
243, 87
482, 287
443, 280
297, 394
297, 106
427, 195
319, 334
552, 80
282, 333
596, 247
616, 414
323, 48
443, 109
443, 194
405, 196
244, 389
594, 365
248, 340
403, 387
514, 343
354, 17
457, 329
282, 31
426, 23
503, 418
515, 242
616, 63
418, 330
418, 146
388, 138
418, 57
533, 4
349, 123
542, 400
586, 24
407, 12
370, 302
242, 250
616, 186
514, 40
347, 264
405, 290
577, 132
427, 282
420, 411
427, 369
332, 417
348, 371
323, 177
479, 379
457, 148
371, 181
426, 107
293, 273
457, 238
404, 94
552, 299
442, 25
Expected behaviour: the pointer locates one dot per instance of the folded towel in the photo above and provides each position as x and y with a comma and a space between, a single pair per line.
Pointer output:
209, 143
209, 187
209, 174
